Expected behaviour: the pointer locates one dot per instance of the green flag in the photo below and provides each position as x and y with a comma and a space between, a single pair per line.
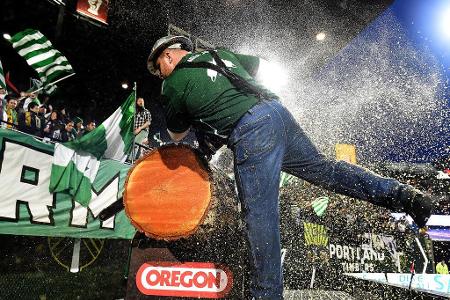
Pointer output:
39, 53
319, 205
75, 163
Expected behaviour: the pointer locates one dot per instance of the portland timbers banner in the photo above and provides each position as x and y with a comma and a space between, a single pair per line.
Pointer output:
341, 236
28, 208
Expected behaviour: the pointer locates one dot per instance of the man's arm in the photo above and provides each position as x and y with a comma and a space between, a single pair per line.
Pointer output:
255, 66
176, 137
139, 129
146, 125
249, 62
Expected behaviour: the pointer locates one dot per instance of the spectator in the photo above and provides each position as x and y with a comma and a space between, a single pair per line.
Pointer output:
29, 122
78, 128
91, 125
142, 121
441, 268
53, 126
64, 115
2, 93
41, 114
10, 113
67, 134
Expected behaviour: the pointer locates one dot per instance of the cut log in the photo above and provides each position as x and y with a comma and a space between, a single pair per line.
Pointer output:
168, 193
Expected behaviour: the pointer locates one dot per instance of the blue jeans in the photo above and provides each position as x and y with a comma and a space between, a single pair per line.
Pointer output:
265, 141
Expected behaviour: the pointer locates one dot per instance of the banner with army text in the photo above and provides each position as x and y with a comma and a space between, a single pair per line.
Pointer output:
28, 208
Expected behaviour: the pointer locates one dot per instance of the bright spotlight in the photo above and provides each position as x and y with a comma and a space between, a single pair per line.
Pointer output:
124, 85
321, 36
445, 23
7, 36
271, 75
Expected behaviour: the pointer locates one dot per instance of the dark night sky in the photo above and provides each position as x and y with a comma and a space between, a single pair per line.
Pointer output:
102, 56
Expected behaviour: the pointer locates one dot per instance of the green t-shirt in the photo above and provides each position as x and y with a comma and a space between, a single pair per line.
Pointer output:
204, 98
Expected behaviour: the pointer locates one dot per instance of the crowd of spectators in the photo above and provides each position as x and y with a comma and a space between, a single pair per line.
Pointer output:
26, 113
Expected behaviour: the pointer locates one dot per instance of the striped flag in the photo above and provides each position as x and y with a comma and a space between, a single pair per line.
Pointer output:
75, 163
320, 205
2, 77
39, 53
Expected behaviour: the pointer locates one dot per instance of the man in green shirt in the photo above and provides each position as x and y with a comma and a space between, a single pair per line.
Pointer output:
216, 93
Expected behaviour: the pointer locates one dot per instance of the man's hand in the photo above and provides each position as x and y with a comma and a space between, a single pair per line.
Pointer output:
139, 129
207, 144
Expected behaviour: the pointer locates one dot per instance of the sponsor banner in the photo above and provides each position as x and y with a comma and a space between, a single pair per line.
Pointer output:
28, 208
94, 9
205, 280
431, 283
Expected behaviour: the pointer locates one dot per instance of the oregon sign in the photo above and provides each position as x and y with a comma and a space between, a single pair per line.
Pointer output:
205, 280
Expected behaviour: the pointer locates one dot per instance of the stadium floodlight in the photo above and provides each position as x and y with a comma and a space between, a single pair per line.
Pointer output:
445, 23
321, 36
272, 75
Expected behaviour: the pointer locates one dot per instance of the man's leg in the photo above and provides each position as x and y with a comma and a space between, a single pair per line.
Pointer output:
303, 160
258, 151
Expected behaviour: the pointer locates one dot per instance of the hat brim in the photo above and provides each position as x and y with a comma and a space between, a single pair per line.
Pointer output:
156, 52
